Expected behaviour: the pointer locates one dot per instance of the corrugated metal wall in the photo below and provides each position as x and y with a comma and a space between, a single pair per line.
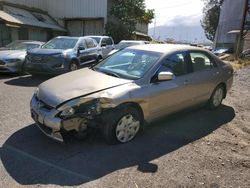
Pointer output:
41, 4
77, 8
68, 8
230, 19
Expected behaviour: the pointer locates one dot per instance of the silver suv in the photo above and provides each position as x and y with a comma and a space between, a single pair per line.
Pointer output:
62, 54
104, 42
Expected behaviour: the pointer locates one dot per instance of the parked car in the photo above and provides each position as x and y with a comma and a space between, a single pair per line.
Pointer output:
119, 96
61, 55
221, 51
245, 54
12, 58
104, 42
126, 43
12, 44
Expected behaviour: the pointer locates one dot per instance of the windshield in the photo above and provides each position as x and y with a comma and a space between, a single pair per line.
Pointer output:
97, 39
23, 46
60, 43
128, 63
123, 45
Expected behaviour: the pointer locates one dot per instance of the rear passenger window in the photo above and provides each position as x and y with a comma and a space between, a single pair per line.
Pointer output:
177, 64
200, 61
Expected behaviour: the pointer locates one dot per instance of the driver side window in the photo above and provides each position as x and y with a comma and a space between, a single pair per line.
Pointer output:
82, 43
176, 63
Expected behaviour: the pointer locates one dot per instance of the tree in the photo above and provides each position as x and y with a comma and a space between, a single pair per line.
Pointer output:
125, 15
211, 15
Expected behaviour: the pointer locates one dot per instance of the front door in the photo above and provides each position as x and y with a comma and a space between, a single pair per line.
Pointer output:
170, 96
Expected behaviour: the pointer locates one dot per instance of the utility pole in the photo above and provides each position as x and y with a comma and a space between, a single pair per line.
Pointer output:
154, 27
242, 28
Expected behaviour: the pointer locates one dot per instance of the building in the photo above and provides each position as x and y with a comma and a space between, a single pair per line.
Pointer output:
44, 19
228, 31
18, 22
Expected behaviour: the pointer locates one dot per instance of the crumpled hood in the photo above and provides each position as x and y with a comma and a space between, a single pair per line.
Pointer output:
12, 54
75, 84
41, 51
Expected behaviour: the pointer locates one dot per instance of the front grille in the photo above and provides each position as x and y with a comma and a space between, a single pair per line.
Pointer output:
37, 59
2, 62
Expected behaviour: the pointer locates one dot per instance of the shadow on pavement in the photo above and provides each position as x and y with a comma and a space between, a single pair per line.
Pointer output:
31, 158
27, 81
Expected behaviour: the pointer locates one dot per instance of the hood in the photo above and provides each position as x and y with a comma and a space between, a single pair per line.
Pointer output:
12, 54
41, 51
76, 84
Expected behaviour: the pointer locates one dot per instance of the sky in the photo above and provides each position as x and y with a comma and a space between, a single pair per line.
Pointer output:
176, 12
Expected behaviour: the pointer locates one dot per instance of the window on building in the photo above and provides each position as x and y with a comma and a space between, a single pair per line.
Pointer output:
5, 35
23, 34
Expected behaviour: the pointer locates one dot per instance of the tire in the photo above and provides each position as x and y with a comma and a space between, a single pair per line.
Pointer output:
98, 59
217, 97
122, 126
73, 66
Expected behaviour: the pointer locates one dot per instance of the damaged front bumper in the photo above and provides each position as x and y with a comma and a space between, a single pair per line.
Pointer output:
50, 124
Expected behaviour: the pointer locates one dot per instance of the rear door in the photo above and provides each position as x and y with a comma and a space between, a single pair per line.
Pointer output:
204, 77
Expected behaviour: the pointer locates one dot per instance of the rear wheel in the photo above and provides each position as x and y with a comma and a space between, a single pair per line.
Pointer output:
217, 97
124, 127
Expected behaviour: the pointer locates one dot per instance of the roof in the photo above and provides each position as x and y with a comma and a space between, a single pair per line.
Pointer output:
98, 36
133, 41
16, 16
165, 48
69, 37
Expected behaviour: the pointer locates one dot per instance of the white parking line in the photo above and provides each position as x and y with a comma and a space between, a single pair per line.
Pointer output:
83, 177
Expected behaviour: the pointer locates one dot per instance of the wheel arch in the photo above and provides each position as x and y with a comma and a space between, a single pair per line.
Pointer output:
135, 106
224, 86
75, 60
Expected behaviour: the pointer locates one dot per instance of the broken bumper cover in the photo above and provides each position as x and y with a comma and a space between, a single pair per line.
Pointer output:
46, 120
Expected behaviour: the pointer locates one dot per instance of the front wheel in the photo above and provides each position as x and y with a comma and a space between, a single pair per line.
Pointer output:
217, 97
73, 66
124, 127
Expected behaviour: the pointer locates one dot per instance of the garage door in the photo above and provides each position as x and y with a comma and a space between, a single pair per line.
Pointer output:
85, 27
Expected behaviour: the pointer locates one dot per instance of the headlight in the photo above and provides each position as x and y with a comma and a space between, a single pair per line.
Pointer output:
80, 107
67, 112
65, 55
36, 93
12, 60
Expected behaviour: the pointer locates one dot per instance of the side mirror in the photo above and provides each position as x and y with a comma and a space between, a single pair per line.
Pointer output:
103, 45
165, 76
